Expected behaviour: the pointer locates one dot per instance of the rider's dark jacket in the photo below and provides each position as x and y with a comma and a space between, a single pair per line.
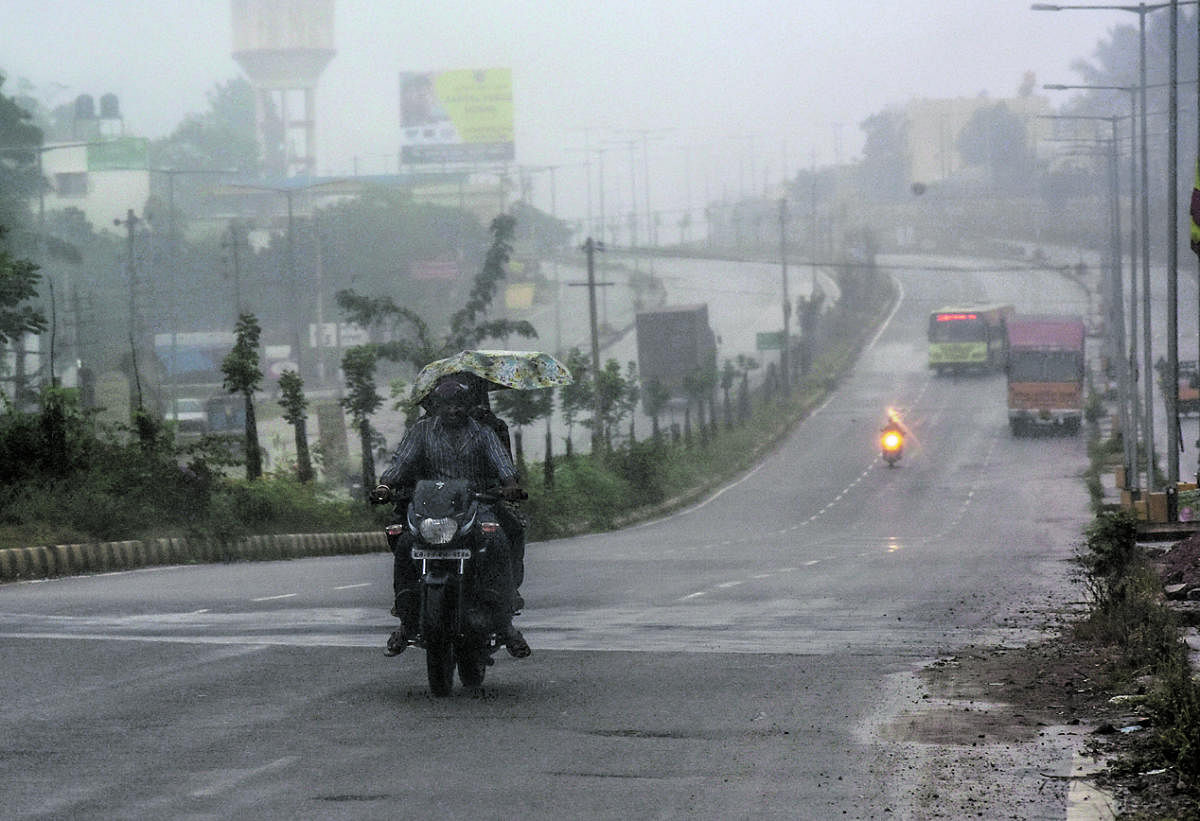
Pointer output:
431, 449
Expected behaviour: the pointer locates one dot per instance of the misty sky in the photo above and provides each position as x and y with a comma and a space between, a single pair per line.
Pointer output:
749, 87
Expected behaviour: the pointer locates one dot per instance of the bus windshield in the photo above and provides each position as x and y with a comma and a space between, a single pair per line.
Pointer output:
1062, 366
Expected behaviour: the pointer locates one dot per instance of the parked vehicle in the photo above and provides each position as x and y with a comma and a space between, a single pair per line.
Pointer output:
673, 343
1046, 369
189, 413
451, 523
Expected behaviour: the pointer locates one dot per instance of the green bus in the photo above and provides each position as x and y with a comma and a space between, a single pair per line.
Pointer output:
968, 338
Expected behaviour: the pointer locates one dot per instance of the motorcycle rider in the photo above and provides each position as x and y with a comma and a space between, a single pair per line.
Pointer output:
894, 423
449, 444
511, 518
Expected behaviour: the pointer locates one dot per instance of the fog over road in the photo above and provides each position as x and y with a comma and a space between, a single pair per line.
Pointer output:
737, 660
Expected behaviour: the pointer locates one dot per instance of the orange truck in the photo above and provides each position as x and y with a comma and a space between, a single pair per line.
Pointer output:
1046, 369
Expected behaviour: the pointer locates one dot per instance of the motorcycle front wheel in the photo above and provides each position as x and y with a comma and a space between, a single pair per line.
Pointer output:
472, 665
439, 645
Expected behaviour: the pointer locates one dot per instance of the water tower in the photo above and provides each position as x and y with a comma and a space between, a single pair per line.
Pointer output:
283, 46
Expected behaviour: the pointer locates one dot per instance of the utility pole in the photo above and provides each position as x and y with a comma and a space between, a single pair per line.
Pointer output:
590, 247
135, 335
784, 357
234, 245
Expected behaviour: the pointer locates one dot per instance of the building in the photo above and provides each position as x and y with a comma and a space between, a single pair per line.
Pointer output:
933, 128
104, 177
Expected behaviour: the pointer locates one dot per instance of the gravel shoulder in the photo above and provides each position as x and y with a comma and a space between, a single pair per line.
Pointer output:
1009, 732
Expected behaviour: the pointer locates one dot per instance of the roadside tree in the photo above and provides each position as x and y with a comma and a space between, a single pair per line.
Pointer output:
410, 339
362, 399
654, 399
18, 285
243, 375
295, 413
576, 398
522, 408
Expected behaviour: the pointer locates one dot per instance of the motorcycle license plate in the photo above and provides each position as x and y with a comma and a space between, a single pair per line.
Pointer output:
446, 554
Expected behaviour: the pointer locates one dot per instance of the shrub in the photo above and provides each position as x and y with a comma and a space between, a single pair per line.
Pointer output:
585, 495
1112, 552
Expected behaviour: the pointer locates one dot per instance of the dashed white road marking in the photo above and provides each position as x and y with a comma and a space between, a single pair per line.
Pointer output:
352, 586
273, 598
226, 780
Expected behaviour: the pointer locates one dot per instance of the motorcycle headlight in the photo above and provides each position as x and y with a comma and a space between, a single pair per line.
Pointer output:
891, 441
438, 531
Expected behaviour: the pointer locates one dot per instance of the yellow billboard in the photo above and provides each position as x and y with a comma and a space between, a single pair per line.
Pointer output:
460, 115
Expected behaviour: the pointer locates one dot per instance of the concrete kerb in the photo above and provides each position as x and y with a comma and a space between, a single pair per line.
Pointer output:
8, 569
22, 563
39, 565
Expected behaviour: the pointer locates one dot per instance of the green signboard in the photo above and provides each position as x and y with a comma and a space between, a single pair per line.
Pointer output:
769, 341
119, 154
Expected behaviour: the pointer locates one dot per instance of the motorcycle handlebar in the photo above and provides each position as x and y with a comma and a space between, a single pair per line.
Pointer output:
498, 495
383, 494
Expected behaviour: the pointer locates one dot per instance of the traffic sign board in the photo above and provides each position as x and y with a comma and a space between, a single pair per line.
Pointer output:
769, 341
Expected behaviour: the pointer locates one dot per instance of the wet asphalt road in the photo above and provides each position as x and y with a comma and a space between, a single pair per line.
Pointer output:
732, 661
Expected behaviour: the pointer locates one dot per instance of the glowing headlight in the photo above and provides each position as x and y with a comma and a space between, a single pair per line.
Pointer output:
891, 441
438, 531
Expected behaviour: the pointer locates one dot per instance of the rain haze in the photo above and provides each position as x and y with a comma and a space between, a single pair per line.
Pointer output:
731, 93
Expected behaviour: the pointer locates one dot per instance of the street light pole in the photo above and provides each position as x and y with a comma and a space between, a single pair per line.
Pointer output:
1147, 361
1130, 355
1141, 10
1172, 375
1113, 300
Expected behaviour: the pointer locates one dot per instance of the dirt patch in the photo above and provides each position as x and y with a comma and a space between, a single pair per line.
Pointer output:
1001, 697
1180, 564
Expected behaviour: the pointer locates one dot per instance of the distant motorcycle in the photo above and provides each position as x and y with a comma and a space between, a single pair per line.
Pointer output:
891, 445
452, 524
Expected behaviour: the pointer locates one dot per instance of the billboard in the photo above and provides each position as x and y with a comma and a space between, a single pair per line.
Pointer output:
460, 115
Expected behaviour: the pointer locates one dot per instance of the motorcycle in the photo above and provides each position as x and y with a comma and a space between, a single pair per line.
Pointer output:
891, 445
451, 526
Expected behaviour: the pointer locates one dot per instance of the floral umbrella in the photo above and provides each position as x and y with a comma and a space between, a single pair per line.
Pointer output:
522, 370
